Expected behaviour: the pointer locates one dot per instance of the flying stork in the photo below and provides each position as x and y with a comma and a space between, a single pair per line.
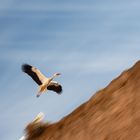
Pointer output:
43, 82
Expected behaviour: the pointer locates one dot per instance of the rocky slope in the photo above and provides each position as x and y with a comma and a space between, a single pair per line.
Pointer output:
113, 113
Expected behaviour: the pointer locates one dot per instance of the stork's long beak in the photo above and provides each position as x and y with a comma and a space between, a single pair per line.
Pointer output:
58, 74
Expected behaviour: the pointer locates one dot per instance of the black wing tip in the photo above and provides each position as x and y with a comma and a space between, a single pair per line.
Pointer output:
60, 90
57, 88
59, 93
26, 67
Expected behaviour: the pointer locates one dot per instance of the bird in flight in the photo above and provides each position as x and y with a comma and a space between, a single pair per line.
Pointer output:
43, 82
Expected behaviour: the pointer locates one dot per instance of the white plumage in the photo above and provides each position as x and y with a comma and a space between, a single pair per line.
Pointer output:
43, 82
22, 138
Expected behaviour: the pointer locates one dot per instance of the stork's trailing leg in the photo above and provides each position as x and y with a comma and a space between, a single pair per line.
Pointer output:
41, 89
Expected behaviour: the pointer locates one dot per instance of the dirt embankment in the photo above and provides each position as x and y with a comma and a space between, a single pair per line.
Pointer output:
113, 113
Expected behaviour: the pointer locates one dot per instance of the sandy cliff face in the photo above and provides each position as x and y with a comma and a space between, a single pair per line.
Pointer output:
113, 113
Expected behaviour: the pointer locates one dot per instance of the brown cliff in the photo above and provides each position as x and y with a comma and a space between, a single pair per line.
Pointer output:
113, 113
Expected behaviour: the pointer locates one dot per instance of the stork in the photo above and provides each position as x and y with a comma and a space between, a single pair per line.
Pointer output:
43, 82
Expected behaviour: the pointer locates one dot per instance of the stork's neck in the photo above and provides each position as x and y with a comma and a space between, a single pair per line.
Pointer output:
55, 75
48, 80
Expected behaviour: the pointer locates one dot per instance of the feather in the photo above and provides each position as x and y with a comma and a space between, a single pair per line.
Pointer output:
55, 87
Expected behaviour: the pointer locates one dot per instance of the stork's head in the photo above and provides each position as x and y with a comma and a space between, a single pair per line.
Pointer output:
56, 74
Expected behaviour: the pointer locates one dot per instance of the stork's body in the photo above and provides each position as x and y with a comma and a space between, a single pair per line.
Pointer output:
43, 87
43, 82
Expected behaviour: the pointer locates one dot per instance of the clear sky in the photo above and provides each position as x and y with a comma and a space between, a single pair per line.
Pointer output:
89, 41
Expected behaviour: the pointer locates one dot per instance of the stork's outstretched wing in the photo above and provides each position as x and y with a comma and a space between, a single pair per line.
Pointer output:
35, 74
54, 86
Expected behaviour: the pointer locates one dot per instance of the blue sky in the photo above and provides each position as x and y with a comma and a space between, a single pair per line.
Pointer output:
90, 42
